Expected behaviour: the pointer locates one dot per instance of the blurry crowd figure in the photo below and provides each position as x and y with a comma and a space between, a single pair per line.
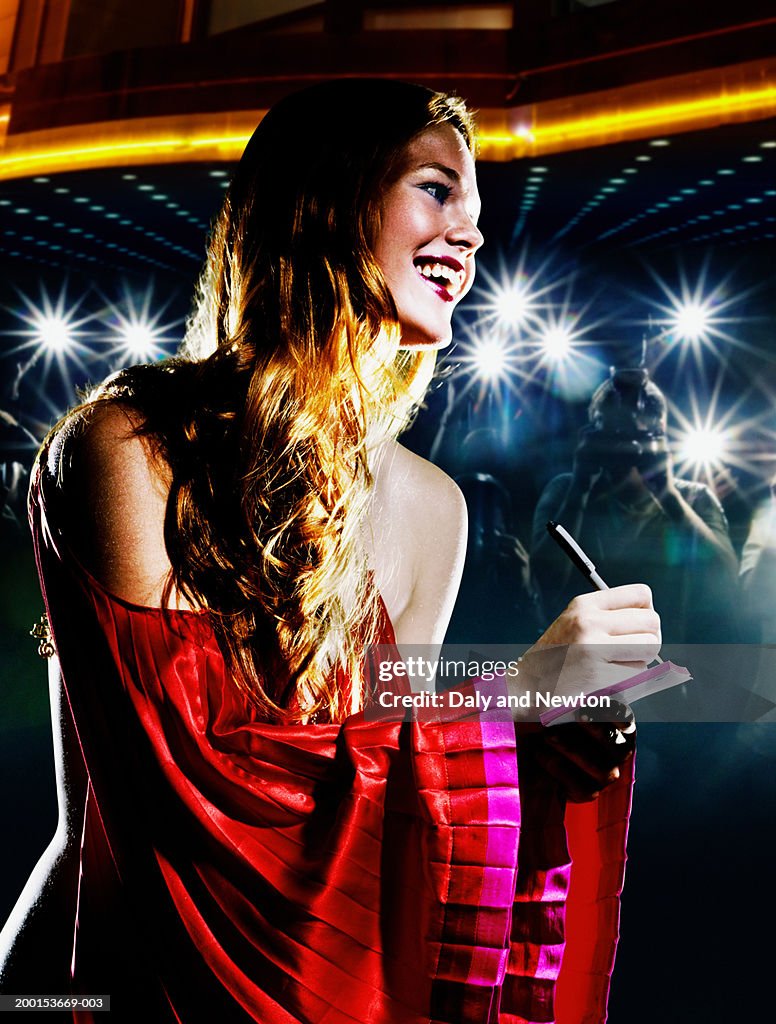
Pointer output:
455, 423
17, 451
637, 521
18, 447
496, 603
758, 570
758, 589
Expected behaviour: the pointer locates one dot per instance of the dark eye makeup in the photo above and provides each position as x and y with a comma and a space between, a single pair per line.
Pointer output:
437, 189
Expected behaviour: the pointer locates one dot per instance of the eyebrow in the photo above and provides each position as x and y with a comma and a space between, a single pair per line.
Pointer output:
448, 171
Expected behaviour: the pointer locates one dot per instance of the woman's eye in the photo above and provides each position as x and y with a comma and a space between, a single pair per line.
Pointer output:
439, 191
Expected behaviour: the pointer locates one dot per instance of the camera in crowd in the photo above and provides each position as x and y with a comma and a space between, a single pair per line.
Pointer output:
627, 425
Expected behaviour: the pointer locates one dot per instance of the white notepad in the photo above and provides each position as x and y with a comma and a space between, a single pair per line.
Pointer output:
652, 680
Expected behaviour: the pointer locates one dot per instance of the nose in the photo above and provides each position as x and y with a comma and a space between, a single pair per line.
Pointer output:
463, 232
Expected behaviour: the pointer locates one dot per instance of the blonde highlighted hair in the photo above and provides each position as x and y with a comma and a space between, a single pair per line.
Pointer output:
290, 375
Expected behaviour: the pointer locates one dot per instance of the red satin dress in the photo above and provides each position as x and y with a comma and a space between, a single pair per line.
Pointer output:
375, 871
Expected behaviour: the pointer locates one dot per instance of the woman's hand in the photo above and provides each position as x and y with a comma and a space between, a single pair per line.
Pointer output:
600, 638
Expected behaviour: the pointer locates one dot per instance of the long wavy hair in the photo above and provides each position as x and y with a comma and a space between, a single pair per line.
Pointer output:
290, 375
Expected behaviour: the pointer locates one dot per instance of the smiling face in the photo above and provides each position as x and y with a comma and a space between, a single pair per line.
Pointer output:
428, 235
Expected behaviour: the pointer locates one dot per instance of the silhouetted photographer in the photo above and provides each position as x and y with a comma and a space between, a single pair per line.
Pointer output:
637, 520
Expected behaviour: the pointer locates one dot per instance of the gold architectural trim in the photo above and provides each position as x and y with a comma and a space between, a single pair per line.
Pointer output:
152, 140
683, 103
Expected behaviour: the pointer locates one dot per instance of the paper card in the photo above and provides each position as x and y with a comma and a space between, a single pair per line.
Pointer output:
652, 680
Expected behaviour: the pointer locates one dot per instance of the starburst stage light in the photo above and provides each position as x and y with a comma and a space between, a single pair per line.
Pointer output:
700, 323
513, 304
704, 448
727, 445
53, 333
489, 359
138, 339
137, 334
691, 321
510, 298
556, 342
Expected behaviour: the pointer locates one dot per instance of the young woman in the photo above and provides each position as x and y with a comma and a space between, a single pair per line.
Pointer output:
219, 539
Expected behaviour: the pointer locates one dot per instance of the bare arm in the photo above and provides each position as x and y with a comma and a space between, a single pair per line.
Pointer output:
417, 544
37, 939
112, 515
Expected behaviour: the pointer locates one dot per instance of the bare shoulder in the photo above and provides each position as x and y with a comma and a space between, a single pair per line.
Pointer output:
96, 436
422, 484
424, 510
115, 487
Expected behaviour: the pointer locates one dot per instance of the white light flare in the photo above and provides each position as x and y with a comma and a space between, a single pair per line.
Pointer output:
138, 335
691, 321
139, 340
704, 448
514, 305
556, 342
489, 359
53, 333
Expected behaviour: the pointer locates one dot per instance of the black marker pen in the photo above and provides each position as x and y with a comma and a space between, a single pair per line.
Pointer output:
569, 546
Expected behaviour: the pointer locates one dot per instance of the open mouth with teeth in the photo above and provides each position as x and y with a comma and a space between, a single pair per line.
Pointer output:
446, 281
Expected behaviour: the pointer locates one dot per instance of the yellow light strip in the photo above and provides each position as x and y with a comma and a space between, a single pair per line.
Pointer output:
691, 102
123, 144
623, 115
239, 141
120, 153
667, 115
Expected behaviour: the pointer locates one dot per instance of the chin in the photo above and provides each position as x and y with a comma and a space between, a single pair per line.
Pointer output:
416, 338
